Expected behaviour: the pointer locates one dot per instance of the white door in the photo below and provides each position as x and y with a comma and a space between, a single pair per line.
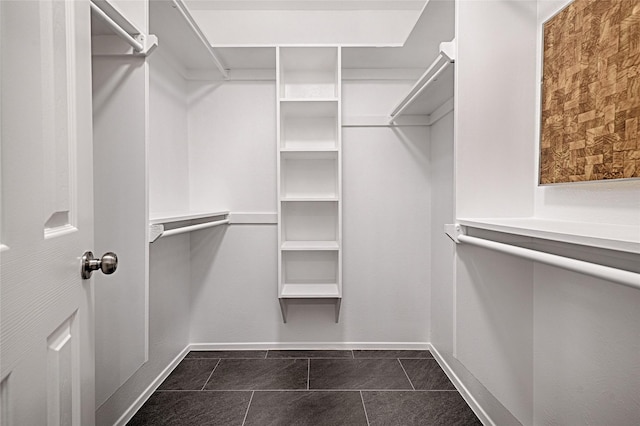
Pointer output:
47, 347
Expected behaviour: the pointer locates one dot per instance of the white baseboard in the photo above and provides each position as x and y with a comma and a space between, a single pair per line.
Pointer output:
139, 402
308, 346
468, 397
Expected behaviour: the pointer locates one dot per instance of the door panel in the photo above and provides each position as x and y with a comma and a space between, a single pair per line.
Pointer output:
46, 312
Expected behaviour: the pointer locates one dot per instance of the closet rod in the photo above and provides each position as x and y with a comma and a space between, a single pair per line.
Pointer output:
405, 103
137, 46
626, 278
191, 228
198, 32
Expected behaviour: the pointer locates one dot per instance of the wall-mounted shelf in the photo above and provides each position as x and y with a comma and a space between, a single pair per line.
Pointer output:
309, 174
606, 236
310, 245
177, 31
433, 89
556, 231
167, 224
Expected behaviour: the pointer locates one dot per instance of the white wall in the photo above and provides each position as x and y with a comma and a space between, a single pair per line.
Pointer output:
168, 153
495, 108
386, 224
586, 340
169, 260
552, 346
495, 113
443, 290
232, 150
168, 322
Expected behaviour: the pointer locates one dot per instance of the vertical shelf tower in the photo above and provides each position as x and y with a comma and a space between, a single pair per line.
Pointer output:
309, 174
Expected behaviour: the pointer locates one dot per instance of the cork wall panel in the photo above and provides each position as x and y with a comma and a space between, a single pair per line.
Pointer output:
591, 92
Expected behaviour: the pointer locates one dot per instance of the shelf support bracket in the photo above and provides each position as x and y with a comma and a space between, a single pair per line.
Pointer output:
155, 232
283, 309
453, 231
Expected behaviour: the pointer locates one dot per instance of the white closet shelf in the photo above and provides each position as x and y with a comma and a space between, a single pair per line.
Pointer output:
180, 223
176, 29
433, 88
311, 291
306, 199
606, 236
310, 245
308, 151
308, 99
171, 217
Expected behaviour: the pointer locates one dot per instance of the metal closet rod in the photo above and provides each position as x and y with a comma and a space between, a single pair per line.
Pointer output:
619, 276
191, 228
137, 46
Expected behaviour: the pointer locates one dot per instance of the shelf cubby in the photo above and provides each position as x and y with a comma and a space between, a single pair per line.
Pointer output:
308, 73
309, 221
310, 274
309, 125
310, 175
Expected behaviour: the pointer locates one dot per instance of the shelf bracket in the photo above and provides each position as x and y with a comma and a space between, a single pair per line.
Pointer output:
338, 304
283, 309
453, 231
155, 232
448, 49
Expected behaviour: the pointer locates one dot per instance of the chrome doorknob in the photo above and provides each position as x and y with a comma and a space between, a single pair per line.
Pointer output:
107, 264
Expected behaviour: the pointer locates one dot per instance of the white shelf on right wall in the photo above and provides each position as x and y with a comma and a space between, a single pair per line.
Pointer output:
607, 236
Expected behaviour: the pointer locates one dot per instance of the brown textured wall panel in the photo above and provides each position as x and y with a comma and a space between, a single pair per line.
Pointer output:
591, 92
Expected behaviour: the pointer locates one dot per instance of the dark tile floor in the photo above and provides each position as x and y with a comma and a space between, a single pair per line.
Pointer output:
306, 388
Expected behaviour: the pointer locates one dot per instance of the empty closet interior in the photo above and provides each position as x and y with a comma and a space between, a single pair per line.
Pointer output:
292, 191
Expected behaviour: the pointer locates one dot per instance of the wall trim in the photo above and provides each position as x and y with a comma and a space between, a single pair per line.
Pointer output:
307, 345
155, 384
484, 418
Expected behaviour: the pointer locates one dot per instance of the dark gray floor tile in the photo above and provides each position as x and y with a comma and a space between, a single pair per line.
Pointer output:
181, 408
391, 354
357, 374
226, 354
426, 374
306, 408
190, 374
260, 374
418, 408
309, 354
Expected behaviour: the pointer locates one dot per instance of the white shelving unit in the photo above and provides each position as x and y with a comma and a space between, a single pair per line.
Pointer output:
309, 174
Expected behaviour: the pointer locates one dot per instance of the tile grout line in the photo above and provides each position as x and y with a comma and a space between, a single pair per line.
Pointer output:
364, 408
209, 378
308, 372
248, 406
405, 373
